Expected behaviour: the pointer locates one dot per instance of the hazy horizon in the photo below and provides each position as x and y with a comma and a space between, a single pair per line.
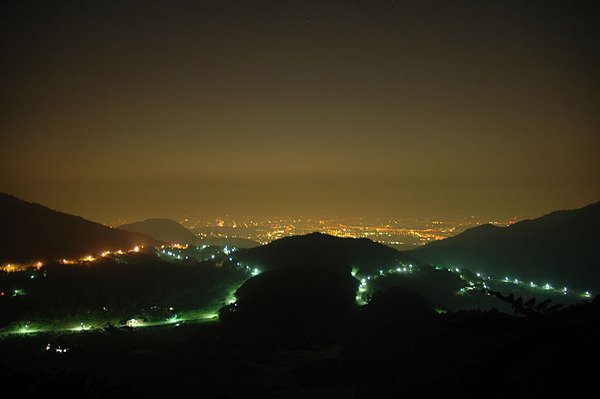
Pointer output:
129, 214
343, 109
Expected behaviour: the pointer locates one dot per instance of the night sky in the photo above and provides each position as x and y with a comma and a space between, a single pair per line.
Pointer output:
135, 109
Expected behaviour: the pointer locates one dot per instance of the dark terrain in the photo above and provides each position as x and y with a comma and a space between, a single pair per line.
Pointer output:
31, 232
559, 247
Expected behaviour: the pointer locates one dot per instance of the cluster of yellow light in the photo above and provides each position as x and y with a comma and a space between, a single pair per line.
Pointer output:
11, 267
19, 267
104, 254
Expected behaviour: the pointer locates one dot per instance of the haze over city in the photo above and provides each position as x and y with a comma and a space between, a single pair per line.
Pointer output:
354, 109
332, 199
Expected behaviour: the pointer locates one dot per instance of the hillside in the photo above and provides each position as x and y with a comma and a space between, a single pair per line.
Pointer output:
558, 248
164, 230
360, 253
32, 231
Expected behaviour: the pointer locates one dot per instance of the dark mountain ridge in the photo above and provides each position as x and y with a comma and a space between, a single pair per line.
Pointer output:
560, 247
361, 253
165, 230
31, 232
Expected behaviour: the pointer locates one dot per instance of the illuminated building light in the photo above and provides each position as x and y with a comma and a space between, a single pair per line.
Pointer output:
547, 286
136, 249
457, 270
516, 281
587, 294
132, 323
478, 274
532, 284
255, 272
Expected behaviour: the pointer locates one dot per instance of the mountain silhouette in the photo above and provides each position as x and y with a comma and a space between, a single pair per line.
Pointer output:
360, 253
561, 247
32, 232
292, 298
165, 230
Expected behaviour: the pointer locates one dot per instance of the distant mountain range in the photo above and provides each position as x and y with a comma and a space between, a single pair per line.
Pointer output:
559, 248
32, 231
165, 230
170, 231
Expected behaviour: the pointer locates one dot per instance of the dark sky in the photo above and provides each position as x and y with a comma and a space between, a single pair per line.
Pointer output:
351, 108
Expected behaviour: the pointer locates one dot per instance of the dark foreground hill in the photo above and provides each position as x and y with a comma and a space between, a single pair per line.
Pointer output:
31, 232
560, 248
377, 266
165, 230
359, 253
284, 301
